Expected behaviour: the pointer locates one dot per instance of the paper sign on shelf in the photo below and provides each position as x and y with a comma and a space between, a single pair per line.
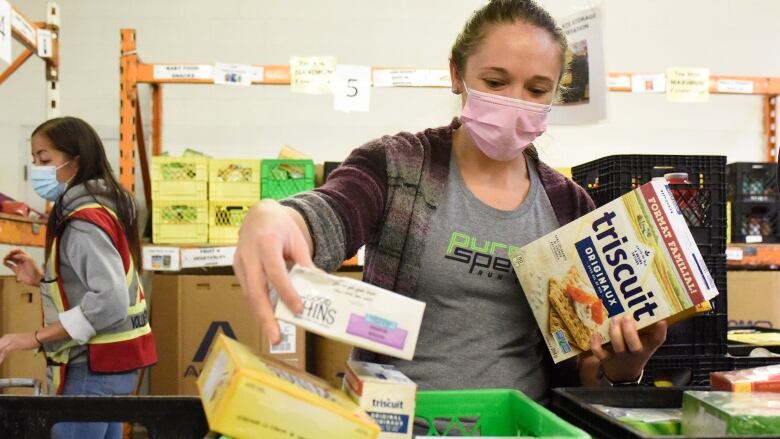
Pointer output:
735, 86
207, 257
23, 27
687, 84
184, 71
351, 88
311, 74
44, 43
258, 74
400, 77
161, 258
5, 31
648, 83
734, 254
233, 74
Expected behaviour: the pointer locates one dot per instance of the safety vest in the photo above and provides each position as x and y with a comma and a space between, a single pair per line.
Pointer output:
126, 346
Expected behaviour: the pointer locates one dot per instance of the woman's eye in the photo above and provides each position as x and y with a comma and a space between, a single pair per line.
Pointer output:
492, 83
538, 92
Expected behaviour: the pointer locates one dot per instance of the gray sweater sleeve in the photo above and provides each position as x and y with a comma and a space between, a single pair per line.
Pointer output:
94, 279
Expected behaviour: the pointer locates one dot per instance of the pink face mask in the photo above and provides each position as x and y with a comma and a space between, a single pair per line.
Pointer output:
502, 127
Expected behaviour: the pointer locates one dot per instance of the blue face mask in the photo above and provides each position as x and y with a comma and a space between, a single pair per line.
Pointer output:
45, 183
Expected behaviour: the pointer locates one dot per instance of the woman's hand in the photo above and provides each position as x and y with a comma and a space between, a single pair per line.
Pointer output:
628, 352
271, 238
24, 266
17, 342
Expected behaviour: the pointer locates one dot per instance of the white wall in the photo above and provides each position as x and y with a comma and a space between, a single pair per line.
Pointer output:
728, 36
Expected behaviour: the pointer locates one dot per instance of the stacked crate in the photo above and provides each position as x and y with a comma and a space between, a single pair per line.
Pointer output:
234, 187
283, 178
702, 201
179, 200
753, 193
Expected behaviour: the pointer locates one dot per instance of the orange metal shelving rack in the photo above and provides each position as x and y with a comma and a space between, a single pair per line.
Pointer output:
16, 230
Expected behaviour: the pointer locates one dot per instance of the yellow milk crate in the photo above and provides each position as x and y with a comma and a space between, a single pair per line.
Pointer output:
234, 179
225, 218
179, 221
180, 178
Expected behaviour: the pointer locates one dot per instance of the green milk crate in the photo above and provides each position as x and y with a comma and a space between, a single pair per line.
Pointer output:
489, 412
284, 178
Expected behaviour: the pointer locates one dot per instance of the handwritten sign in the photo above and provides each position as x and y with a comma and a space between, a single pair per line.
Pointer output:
311, 74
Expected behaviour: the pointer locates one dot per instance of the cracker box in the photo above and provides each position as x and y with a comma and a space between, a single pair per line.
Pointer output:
386, 394
248, 396
758, 379
355, 313
710, 414
634, 256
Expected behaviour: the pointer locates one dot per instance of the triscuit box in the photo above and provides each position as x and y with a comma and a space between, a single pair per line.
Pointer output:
386, 394
707, 414
355, 312
248, 396
634, 256
758, 379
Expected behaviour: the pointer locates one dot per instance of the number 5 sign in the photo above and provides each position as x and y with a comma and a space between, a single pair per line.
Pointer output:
351, 88
5, 31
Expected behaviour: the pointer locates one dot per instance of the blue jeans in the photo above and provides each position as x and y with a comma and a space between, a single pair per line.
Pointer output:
79, 380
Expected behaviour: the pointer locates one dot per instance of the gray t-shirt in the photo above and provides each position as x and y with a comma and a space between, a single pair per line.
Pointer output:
478, 330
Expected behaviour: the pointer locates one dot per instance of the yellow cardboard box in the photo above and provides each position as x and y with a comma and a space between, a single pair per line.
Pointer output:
248, 396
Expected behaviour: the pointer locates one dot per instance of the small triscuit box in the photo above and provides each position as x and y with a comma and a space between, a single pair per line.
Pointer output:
355, 312
634, 256
707, 414
386, 394
248, 396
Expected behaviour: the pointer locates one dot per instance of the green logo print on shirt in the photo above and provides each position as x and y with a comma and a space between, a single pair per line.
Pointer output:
481, 255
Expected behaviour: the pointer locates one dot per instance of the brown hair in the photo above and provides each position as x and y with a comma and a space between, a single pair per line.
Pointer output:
76, 138
504, 11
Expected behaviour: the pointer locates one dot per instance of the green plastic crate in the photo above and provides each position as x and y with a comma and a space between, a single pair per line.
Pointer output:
278, 182
489, 412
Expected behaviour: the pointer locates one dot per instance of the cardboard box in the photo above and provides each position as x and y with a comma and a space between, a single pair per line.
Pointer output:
187, 314
757, 379
754, 298
248, 396
386, 394
708, 414
355, 312
327, 358
634, 256
21, 311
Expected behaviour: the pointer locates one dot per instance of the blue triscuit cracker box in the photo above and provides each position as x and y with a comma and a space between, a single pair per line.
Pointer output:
634, 256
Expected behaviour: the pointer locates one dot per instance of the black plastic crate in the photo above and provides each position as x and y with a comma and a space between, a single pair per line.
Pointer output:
739, 363
575, 405
685, 371
702, 199
703, 334
737, 349
327, 168
755, 222
752, 181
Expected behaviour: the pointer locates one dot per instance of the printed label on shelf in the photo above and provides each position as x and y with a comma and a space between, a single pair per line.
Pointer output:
287, 346
44, 43
312, 74
5, 31
754, 239
401, 77
161, 258
351, 88
23, 27
648, 83
685, 84
735, 86
207, 257
622, 81
258, 74
184, 71
734, 254
233, 74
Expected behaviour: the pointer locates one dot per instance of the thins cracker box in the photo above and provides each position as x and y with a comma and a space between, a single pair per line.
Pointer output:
355, 312
634, 257
247, 396
386, 394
